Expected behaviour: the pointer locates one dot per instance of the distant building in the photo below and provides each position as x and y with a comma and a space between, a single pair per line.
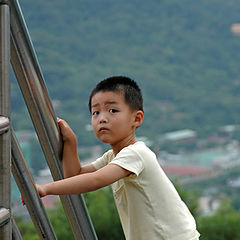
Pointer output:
208, 205
235, 28
185, 170
228, 130
25, 139
183, 135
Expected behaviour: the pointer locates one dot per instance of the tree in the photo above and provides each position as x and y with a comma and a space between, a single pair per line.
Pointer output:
60, 223
190, 198
104, 214
223, 225
26, 228
58, 220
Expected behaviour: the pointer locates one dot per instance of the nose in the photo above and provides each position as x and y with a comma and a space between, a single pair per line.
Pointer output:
102, 118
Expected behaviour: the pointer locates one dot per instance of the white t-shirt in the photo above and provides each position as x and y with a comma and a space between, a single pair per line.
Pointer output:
148, 204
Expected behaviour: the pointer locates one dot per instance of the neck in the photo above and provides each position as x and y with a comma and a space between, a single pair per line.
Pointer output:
120, 145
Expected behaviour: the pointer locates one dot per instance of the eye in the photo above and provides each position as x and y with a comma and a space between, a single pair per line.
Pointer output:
112, 110
95, 113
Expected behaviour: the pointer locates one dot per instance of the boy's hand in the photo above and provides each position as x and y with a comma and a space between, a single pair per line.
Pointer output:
41, 190
66, 131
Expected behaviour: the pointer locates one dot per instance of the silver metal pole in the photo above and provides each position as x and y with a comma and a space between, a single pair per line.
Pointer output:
5, 141
4, 124
16, 235
32, 85
25, 184
4, 216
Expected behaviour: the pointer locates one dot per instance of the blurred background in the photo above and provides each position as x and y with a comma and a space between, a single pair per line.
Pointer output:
185, 56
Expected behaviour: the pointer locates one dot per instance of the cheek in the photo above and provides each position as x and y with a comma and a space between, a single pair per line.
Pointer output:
93, 125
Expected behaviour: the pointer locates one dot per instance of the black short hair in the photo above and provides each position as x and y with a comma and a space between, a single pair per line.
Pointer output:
131, 91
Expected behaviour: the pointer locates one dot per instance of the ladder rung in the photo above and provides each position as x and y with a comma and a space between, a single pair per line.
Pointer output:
4, 124
4, 216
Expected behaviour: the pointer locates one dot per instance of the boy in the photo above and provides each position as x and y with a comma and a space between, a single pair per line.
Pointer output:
149, 206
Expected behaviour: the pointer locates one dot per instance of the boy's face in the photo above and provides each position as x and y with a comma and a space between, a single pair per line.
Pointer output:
113, 121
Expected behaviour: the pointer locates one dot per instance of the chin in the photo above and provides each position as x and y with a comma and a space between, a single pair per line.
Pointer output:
105, 140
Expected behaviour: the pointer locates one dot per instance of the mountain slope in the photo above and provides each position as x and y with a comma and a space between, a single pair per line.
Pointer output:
183, 55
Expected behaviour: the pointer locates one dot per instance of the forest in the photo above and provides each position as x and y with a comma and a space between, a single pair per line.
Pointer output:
183, 55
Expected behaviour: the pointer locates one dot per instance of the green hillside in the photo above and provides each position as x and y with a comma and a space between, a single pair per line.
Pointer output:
182, 54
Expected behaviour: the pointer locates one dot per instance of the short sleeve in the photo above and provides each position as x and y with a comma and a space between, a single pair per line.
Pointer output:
103, 161
129, 160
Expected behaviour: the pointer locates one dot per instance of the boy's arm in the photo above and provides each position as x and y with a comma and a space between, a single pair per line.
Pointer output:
70, 160
84, 182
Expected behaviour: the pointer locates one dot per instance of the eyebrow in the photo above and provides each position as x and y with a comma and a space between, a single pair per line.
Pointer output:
106, 103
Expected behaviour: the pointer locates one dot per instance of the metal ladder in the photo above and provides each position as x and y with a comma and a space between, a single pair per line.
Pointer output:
16, 46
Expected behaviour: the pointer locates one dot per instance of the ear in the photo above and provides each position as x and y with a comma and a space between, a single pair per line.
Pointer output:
138, 118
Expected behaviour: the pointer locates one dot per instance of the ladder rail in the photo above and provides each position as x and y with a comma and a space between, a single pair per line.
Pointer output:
31, 82
4, 124
16, 235
5, 141
27, 188
4, 216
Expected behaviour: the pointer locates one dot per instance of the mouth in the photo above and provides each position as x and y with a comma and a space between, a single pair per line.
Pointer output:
103, 129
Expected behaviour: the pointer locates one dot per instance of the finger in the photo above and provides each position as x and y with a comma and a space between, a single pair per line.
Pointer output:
59, 119
23, 203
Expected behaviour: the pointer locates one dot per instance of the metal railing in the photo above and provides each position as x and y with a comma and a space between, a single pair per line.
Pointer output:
15, 36
5, 140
